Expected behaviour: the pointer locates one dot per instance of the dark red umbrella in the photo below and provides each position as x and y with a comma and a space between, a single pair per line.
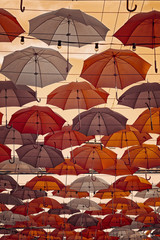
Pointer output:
24, 193
115, 220
26, 209
82, 220
5, 153
40, 155
37, 120
64, 210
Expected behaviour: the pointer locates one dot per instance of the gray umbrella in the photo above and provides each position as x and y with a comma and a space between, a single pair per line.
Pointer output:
84, 204
35, 66
40, 155
66, 25
99, 121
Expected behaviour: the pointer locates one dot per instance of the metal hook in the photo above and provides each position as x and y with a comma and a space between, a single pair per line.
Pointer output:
130, 10
22, 8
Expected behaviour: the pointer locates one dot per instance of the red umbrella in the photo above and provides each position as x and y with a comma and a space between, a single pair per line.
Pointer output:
10, 28
44, 219
111, 192
40, 155
66, 138
37, 120
81, 95
45, 183
45, 202
104, 211
115, 220
5, 153
122, 203
66, 192
26, 209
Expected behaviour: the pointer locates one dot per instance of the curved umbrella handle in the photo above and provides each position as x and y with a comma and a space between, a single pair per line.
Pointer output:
21, 6
131, 10
11, 161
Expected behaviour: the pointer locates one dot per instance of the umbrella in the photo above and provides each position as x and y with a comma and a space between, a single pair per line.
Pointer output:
66, 192
66, 138
46, 183
26, 209
122, 203
145, 156
40, 156
62, 234
154, 192
84, 204
35, 66
10, 28
104, 210
45, 202
99, 121
89, 183
6, 198
114, 69
132, 183
7, 181
46, 219
115, 220
81, 95
124, 138
153, 201
64, 210
111, 192
7, 217
93, 156
33, 233
82, 220
142, 209
148, 218
92, 233
24, 193
120, 232
67, 168
5, 153
36, 120
148, 121
66, 25
142, 30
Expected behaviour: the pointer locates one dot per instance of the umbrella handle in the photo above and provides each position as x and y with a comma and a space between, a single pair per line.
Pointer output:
11, 161
8, 127
130, 10
21, 7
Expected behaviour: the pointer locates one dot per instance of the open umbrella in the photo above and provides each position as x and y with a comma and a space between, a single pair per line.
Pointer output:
36, 120
122, 203
7, 181
67, 192
64, 210
40, 155
115, 220
142, 30
26, 209
45, 202
6, 198
142, 209
81, 95
5, 153
99, 121
10, 28
114, 69
103, 211
46, 219
66, 138
154, 192
92, 156
35, 66
24, 193
84, 204
82, 220
111, 192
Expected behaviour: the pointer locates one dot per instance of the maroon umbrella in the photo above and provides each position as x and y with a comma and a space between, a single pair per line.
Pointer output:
26, 209
6, 198
64, 210
40, 155
99, 121
82, 220
7, 181
24, 193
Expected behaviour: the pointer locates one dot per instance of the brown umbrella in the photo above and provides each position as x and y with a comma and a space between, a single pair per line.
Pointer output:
64, 210
67, 192
82, 220
8, 199
24, 193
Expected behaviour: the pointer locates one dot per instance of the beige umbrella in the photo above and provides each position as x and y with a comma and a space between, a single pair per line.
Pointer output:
84, 204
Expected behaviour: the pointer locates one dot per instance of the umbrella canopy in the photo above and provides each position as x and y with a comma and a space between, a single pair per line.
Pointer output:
36, 120
122, 203
89, 183
148, 121
35, 66
84, 204
115, 220
5, 153
66, 138
64, 210
113, 68
132, 183
104, 210
99, 121
46, 183
81, 95
153, 201
45, 202
145, 156
142, 209
148, 218
46, 219
8, 217
8, 199
82, 220
67, 192
124, 138
26, 209
66, 25
24, 193
92, 233
141, 96
7, 181
111, 192
93, 156
10, 28
67, 168
40, 156
121, 231
155, 192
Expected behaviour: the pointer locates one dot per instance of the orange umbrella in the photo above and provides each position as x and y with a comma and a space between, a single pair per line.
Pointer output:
111, 192
66, 138
113, 68
115, 220
153, 201
46, 183
104, 211
45, 202
92, 156
92, 233
66, 192
119, 168
148, 218
33, 232
67, 168
132, 183
44, 219
148, 121
124, 138
81, 95
142, 209
122, 203
63, 233
145, 156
